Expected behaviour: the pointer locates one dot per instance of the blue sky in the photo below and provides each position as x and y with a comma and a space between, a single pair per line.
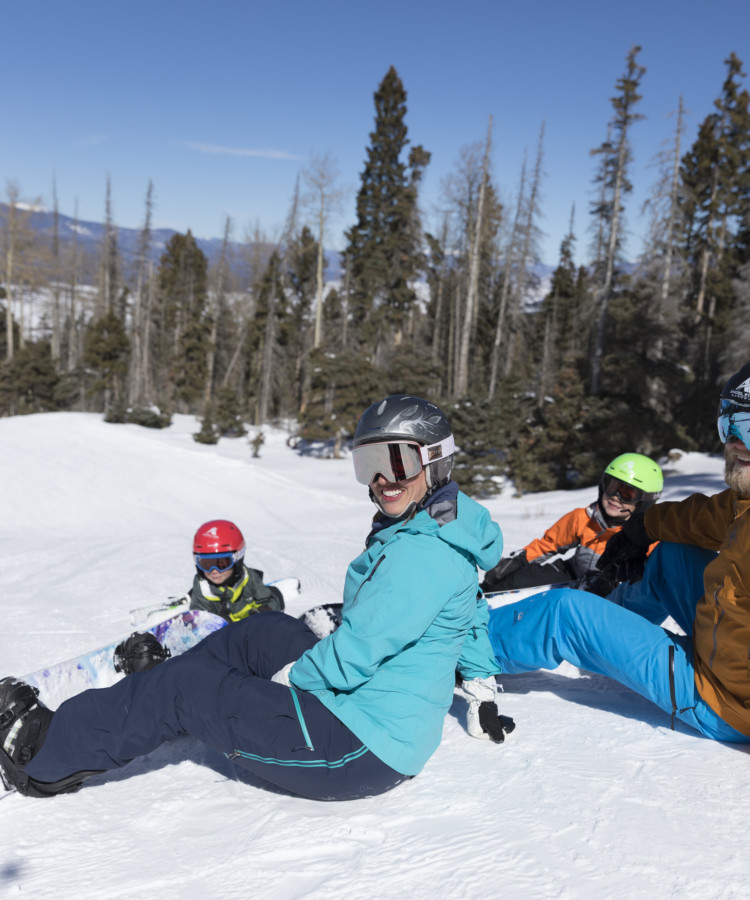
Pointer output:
222, 103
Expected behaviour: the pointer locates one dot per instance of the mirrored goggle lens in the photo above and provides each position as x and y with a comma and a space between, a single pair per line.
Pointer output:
210, 561
727, 407
736, 422
395, 462
613, 487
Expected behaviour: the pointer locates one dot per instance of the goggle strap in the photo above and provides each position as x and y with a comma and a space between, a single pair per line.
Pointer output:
433, 452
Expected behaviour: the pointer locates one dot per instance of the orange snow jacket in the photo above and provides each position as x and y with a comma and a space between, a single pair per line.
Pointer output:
721, 629
584, 529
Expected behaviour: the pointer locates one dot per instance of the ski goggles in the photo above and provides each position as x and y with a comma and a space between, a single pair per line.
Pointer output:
219, 562
625, 493
397, 460
733, 420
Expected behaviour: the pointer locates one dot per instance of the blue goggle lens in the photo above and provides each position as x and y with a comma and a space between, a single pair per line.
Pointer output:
221, 562
733, 420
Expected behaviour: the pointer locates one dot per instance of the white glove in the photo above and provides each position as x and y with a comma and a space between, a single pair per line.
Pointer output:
282, 676
480, 690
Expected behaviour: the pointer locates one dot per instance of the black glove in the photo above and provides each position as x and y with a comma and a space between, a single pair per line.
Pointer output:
507, 566
139, 653
493, 724
596, 582
625, 554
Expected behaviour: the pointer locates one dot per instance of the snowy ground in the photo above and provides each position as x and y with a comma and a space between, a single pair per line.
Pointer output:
593, 796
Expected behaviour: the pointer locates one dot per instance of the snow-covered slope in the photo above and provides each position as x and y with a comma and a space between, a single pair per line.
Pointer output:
593, 796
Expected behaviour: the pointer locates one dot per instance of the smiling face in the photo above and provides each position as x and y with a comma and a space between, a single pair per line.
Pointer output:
615, 508
216, 577
737, 466
394, 497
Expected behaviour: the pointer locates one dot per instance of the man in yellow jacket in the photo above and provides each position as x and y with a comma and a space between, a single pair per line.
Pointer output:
699, 575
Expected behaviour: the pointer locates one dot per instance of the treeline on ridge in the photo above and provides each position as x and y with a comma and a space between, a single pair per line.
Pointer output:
542, 387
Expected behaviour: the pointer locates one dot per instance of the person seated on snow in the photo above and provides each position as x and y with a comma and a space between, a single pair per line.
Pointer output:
699, 574
223, 584
570, 549
348, 716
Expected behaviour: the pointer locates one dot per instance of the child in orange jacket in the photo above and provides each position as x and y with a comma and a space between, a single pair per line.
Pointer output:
569, 549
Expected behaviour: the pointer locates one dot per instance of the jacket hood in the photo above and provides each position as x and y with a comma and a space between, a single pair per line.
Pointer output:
459, 521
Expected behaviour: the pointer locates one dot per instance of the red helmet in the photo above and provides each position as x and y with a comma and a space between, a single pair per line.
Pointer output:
219, 536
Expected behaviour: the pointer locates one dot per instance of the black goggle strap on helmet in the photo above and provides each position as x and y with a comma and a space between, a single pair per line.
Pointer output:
733, 419
397, 460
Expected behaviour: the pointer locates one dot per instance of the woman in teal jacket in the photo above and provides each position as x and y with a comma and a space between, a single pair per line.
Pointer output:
349, 716
412, 616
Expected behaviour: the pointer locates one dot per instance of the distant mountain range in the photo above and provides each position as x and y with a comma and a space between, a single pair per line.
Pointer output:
91, 234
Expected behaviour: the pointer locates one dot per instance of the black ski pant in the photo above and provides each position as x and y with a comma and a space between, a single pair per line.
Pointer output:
220, 692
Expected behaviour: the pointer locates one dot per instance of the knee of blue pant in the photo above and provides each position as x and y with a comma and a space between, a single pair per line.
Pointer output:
525, 635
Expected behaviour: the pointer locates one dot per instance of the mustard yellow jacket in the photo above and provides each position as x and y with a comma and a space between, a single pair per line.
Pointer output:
721, 629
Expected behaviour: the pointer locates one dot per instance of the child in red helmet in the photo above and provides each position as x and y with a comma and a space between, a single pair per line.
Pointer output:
223, 584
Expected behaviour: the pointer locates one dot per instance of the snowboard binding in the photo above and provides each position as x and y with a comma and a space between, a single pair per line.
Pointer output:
141, 652
24, 722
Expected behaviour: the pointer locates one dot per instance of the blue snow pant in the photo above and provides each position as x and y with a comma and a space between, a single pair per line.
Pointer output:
220, 692
613, 638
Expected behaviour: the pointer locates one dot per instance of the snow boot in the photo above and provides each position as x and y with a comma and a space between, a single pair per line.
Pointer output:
24, 722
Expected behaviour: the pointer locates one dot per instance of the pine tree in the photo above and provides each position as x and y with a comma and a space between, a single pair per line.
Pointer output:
227, 413
29, 383
716, 201
181, 325
343, 386
559, 318
296, 331
384, 246
106, 351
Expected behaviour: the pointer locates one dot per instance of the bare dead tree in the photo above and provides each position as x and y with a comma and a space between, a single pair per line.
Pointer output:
462, 367
617, 157
141, 320
510, 257
321, 177
11, 236
214, 300
530, 235
74, 346
56, 277
276, 281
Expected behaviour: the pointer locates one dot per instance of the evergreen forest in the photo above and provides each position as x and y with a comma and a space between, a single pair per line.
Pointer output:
543, 386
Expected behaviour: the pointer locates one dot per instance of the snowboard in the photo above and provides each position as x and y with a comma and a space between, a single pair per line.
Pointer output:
148, 615
503, 598
95, 669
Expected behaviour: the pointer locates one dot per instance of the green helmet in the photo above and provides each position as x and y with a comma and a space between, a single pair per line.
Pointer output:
640, 472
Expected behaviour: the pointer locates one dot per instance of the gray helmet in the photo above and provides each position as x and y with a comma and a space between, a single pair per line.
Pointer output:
405, 417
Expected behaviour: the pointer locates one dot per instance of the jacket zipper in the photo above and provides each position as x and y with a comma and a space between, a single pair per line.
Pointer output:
718, 616
364, 582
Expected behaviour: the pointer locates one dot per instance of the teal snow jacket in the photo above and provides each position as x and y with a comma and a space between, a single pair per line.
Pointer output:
412, 614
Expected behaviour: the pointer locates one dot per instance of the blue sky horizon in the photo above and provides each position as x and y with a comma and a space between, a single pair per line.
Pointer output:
222, 105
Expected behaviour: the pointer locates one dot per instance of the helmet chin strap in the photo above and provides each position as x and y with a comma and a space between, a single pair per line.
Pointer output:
413, 507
